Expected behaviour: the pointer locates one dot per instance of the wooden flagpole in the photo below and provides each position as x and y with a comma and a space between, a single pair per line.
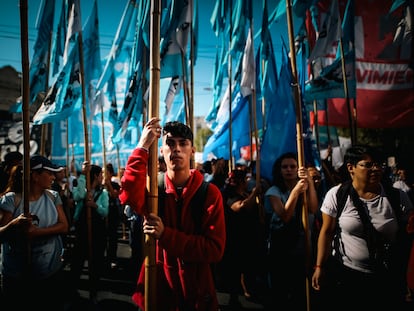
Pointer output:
92, 291
299, 138
230, 74
152, 182
191, 99
26, 120
351, 111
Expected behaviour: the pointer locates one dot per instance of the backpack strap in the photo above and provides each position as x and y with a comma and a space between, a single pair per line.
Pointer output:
51, 196
392, 194
18, 198
196, 203
341, 197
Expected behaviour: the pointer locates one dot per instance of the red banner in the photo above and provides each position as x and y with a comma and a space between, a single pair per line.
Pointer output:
384, 68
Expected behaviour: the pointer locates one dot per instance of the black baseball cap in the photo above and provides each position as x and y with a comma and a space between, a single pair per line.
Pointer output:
38, 162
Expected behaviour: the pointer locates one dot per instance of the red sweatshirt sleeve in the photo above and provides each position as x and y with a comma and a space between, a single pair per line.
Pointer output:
133, 182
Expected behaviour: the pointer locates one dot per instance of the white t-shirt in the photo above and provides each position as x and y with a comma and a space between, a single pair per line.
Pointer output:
352, 246
46, 251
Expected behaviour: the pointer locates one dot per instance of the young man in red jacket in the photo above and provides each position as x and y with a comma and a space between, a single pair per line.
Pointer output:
184, 252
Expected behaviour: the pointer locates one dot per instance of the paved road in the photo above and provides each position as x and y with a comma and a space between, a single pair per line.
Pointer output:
118, 284
116, 287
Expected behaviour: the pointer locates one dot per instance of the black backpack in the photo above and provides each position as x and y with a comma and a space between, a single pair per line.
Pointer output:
344, 190
394, 257
196, 203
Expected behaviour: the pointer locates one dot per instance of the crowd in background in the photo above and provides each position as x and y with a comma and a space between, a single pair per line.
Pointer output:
261, 261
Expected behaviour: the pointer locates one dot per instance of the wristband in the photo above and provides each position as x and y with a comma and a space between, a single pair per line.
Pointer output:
317, 267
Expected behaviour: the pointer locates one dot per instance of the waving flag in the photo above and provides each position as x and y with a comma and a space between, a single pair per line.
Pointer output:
173, 90
329, 34
74, 27
174, 46
280, 129
217, 82
64, 94
248, 77
217, 144
383, 68
132, 98
92, 56
124, 29
238, 19
58, 45
327, 77
111, 90
39, 71
218, 18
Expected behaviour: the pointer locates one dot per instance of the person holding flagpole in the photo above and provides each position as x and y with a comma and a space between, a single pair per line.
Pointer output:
189, 237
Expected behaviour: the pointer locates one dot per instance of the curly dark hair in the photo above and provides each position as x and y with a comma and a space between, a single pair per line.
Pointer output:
178, 129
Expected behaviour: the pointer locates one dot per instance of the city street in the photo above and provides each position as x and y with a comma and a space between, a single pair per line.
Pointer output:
117, 285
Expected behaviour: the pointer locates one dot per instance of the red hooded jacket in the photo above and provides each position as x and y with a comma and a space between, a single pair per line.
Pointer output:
183, 257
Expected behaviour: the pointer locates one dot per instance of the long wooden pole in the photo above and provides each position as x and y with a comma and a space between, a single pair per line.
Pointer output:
351, 111
191, 99
230, 74
26, 120
154, 97
299, 138
92, 290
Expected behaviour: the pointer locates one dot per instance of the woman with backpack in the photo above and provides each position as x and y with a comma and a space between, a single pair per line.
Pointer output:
361, 246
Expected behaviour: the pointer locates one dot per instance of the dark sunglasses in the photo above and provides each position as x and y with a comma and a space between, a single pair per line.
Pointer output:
370, 165
289, 166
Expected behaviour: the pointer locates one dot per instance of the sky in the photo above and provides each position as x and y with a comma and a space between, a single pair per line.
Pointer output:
110, 13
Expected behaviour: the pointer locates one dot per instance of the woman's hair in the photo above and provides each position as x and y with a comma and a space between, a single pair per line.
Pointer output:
277, 170
110, 169
94, 172
357, 153
15, 181
234, 179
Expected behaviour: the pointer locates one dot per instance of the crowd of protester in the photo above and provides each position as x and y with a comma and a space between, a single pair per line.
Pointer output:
271, 255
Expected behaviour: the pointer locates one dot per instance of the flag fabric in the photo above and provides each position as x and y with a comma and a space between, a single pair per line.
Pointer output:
111, 91
218, 17
58, 45
239, 21
280, 125
329, 34
327, 76
248, 76
92, 57
173, 46
218, 143
124, 28
131, 99
383, 69
39, 71
173, 90
74, 27
64, 93
220, 65
176, 110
